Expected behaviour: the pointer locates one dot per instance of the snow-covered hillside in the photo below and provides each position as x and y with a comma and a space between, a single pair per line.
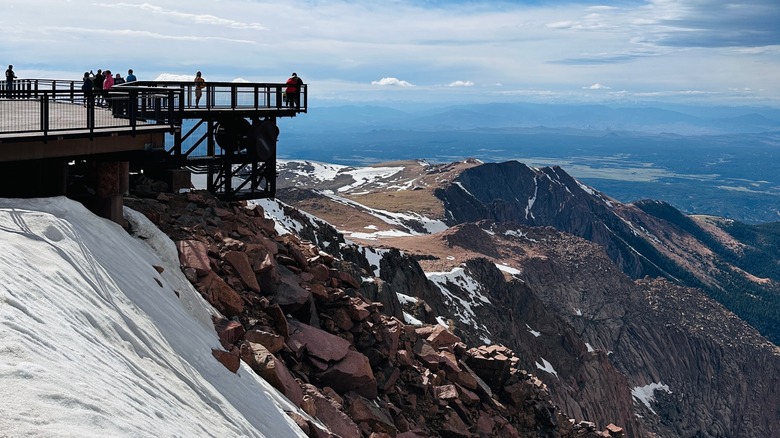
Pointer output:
96, 342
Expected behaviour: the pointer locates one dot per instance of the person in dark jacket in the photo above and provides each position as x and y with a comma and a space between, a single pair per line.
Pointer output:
9, 81
86, 87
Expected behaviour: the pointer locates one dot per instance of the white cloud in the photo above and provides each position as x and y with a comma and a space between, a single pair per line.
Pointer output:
532, 49
597, 86
184, 16
392, 82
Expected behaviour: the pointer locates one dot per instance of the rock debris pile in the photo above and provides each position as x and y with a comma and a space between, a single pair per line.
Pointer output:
296, 315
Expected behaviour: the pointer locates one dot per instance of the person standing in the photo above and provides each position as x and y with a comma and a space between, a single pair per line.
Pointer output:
293, 91
130, 76
9, 81
200, 84
97, 85
86, 87
108, 82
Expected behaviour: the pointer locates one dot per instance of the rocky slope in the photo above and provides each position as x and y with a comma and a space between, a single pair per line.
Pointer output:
301, 315
649, 354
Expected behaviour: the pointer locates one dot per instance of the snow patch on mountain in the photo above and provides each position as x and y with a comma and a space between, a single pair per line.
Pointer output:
646, 394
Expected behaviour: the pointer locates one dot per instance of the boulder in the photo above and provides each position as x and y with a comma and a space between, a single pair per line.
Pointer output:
229, 332
317, 342
230, 359
273, 342
353, 373
223, 297
273, 370
240, 262
362, 410
289, 293
325, 410
194, 254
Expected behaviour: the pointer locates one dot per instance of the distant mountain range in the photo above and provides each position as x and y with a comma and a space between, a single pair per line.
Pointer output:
702, 160
677, 119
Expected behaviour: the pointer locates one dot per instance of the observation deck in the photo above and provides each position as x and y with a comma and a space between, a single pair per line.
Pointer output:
49, 128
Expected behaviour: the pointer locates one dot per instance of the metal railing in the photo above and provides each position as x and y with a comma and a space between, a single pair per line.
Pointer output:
235, 95
49, 107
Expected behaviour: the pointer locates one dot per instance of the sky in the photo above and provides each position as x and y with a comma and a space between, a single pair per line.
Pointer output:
684, 51
96, 342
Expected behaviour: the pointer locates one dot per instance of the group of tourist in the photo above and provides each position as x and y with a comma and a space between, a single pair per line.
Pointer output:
102, 81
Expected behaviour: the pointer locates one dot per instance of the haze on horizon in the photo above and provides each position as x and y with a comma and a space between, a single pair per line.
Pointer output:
458, 51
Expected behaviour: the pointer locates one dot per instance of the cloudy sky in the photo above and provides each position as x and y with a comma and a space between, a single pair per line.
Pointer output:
702, 51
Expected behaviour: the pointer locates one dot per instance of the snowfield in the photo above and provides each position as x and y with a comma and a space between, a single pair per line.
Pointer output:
96, 342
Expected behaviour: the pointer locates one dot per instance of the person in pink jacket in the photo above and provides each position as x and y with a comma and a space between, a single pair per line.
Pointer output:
108, 82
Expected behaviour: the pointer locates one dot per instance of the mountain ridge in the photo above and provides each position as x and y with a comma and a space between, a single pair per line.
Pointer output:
515, 201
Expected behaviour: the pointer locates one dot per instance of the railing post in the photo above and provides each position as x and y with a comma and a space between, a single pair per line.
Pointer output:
90, 96
45, 117
132, 108
233, 96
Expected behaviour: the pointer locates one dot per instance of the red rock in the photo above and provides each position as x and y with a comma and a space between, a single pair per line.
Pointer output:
440, 337
359, 310
614, 431
230, 359
448, 361
289, 294
329, 414
404, 358
455, 427
229, 331
194, 254
320, 272
347, 278
364, 411
220, 295
223, 214
231, 244
463, 378
271, 341
318, 290
299, 420
484, 425
317, 342
342, 319
353, 373
268, 226
240, 262
445, 392
273, 370
426, 354
279, 320
468, 397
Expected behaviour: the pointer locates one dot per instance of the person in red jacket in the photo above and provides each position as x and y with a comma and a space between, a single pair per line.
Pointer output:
293, 91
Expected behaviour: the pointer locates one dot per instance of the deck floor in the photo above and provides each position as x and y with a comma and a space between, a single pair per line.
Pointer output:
22, 118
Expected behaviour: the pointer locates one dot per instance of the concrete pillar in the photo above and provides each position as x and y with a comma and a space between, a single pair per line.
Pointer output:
112, 182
